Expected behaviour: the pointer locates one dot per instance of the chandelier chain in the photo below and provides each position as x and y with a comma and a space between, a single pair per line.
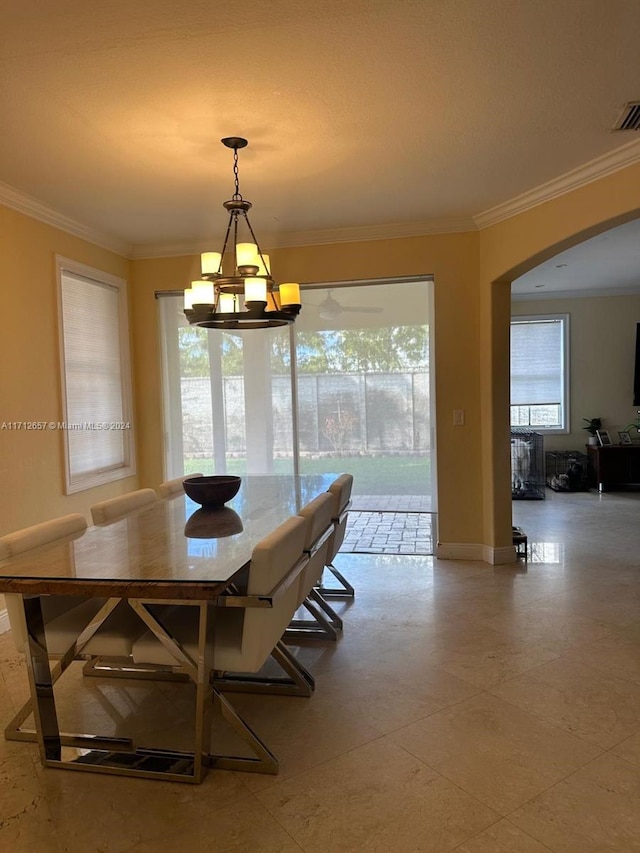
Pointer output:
237, 196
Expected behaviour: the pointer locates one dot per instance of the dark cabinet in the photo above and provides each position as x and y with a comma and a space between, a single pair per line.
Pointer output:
614, 467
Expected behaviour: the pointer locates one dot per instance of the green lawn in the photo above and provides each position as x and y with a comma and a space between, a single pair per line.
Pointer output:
381, 475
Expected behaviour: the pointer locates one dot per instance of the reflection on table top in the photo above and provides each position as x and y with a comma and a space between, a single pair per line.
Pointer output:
163, 550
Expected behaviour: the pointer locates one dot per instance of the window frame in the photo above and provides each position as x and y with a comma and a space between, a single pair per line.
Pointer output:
564, 319
127, 468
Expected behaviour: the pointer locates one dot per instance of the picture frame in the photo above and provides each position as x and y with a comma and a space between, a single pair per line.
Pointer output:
604, 438
625, 437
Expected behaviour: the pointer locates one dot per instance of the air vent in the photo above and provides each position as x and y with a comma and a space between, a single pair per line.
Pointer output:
629, 118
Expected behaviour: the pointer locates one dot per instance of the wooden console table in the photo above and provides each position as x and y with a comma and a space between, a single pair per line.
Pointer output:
617, 466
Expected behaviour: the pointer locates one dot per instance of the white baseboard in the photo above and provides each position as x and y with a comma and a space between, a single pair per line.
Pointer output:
458, 551
4, 622
499, 556
471, 551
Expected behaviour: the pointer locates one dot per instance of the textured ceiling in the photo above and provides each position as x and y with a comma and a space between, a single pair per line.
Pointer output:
360, 114
606, 264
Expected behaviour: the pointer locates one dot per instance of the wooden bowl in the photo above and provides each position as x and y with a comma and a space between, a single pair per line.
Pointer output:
212, 491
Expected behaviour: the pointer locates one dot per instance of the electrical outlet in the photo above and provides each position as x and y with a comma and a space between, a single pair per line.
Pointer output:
458, 417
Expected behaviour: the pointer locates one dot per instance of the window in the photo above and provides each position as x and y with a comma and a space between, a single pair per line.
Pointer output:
539, 372
96, 385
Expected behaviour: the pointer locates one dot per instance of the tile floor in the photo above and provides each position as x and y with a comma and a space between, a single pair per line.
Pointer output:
467, 707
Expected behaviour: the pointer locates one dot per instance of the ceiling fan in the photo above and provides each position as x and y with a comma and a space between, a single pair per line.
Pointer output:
331, 309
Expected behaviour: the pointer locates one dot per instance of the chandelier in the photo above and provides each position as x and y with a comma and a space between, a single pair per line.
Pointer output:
236, 290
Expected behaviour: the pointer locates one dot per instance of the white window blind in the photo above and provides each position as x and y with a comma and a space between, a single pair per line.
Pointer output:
95, 367
538, 371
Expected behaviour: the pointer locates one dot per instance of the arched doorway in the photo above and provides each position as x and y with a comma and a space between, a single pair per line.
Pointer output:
510, 249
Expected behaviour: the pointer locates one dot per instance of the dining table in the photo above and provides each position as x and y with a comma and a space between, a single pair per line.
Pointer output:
171, 553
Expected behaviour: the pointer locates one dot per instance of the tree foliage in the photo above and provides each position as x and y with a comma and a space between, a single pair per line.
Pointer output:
192, 346
383, 350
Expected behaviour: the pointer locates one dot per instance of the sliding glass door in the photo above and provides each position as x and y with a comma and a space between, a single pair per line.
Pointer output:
347, 388
364, 398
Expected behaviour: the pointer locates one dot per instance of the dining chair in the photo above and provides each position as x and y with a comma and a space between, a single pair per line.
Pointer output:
64, 617
41, 534
20, 541
326, 623
340, 490
113, 508
245, 636
174, 487
95, 629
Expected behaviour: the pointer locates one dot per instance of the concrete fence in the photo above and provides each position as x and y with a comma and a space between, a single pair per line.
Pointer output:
354, 413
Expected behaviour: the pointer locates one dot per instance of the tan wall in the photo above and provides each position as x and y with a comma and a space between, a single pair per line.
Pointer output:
602, 354
472, 309
32, 463
452, 259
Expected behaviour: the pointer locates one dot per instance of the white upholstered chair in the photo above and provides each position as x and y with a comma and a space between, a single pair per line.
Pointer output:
41, 534
318, 515
20, 541
174, 487
113, 508
65, 616
326, 623
245, 637
340, 490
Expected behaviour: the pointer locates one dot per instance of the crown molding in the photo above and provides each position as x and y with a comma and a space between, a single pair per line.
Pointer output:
23, 203
289, 240
542, 294
620, 158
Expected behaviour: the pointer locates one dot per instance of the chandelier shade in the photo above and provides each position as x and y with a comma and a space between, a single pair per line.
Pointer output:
236, 289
